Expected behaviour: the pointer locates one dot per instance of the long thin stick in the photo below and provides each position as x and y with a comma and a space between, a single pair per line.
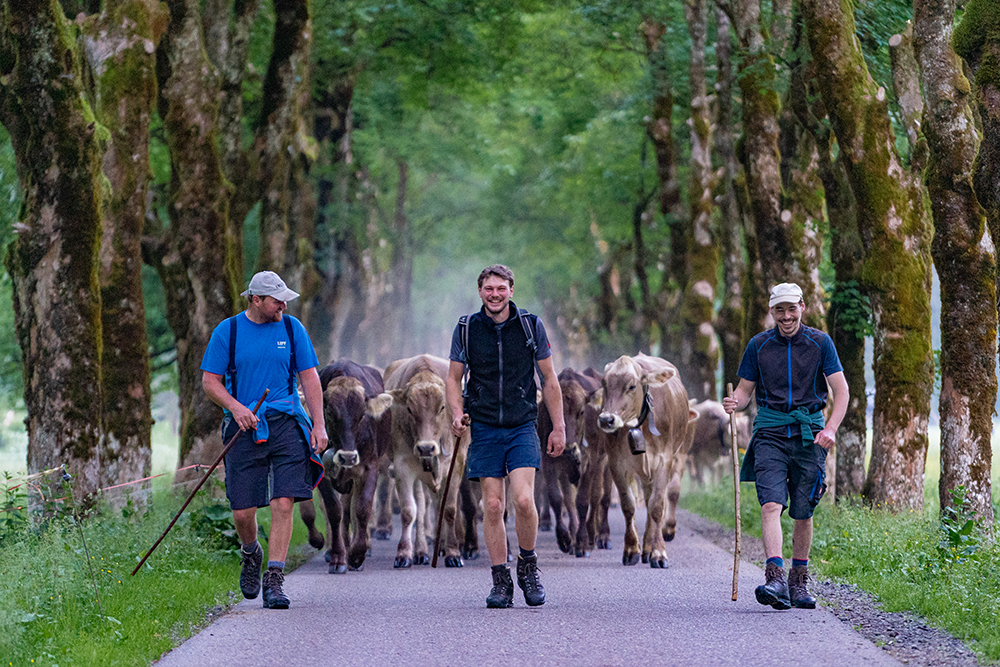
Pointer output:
736, 486
444, 498
225, 451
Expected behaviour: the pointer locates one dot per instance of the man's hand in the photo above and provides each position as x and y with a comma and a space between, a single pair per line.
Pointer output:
459, 424
730, 405
318, 438
826, 438
245, 417
557, 442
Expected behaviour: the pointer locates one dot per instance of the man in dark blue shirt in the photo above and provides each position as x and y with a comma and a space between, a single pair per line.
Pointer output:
789, 367
501, 346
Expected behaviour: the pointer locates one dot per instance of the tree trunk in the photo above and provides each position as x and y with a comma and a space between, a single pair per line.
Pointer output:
965, 258
120, 45
201, 290
730, 318
896, 273
700, 345
906, 86
53, 259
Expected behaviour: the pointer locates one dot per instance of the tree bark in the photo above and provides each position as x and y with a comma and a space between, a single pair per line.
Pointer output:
896, 273
120, 45
53, 259
906, 86
965, 258
730, 317
201, 290
700, 345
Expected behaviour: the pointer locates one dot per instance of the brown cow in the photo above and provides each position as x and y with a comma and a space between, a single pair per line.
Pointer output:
667, 427
355, 410
421, 451
711, 453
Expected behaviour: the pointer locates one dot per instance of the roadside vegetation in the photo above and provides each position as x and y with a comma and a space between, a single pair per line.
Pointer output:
945, 569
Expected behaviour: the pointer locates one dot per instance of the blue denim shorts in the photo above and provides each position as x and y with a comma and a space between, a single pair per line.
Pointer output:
277, 468
495, 450
788, 473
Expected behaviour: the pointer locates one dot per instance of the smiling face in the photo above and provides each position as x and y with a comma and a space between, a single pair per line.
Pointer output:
788, 317
265, 309
495, 293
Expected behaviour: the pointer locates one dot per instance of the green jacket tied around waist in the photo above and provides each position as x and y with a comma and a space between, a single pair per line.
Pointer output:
770, 418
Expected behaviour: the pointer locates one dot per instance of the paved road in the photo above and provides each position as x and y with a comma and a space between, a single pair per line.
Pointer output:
598, 613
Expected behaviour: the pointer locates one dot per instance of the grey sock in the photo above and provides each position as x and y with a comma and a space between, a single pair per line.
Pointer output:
251, 548
280, 564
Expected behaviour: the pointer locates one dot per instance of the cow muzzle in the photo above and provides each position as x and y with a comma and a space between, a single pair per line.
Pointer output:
427, 448
609, 422
340, 459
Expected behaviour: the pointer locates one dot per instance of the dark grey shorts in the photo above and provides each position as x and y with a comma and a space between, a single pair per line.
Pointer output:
788, 473
277, 468
495, 450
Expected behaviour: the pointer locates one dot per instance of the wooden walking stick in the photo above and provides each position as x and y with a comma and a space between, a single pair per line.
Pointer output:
225, 450
736, 486
444, 497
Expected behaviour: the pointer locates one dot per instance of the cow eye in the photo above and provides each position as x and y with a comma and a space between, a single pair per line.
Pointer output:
441, 410
631, 387
409, 410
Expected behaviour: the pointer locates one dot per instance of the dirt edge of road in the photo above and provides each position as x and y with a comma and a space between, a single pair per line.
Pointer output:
906, 637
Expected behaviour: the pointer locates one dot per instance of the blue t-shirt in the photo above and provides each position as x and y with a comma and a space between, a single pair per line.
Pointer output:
262, 357
790, 372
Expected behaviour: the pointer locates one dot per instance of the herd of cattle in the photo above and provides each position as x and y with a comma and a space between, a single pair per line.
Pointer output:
634, 424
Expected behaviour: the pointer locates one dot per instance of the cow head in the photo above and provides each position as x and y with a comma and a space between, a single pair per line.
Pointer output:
348, 414
425, 418
622, 393
574, 400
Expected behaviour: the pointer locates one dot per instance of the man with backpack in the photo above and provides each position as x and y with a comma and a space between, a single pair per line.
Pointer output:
502, 345
278, 447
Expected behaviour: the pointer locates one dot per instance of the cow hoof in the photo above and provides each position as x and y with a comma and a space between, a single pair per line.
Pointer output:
604, 543
402, 562
470, 553
582, 553
316, 541
326, 556
564, 540
360, 567
356, 565
658, 563
422, 559
337, 568
645, 559
382, 534
545, 527
669, 537
453, 561
630, 559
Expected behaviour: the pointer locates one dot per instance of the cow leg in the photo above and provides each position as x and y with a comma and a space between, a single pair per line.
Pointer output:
383, 502
584, 513
630, 554
673, 493
453, 555
556, 500
421, 556
542, 502
407, 513
307, 510
569, 491
654, 549
470, 545
337, 554
604, 528
364, 496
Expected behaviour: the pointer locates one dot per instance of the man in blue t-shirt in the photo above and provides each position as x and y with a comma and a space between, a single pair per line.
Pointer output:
270, 350
504, 344
789, 367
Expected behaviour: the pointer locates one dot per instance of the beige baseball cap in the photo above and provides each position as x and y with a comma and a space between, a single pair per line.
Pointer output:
785, 293
268, 283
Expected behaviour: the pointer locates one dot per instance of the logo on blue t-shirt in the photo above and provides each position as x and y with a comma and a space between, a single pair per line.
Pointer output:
282, 344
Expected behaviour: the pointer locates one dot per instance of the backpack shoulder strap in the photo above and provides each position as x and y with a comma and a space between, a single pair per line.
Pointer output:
291, 351
231, 369
529, 329
463, 333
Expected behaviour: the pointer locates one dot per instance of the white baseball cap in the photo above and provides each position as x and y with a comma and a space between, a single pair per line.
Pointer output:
268, 283
785, 293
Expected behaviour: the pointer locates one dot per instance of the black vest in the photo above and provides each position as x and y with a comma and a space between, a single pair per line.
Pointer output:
501, 386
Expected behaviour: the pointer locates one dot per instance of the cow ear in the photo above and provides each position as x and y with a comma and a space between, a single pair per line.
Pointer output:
607, 367
378, 404
398, 395
692, 416
596, 399
658, 377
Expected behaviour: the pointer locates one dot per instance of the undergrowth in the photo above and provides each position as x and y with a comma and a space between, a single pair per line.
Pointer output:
944, 568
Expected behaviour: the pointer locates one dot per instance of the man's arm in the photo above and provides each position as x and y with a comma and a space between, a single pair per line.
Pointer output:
216, 391
313, 391
453, 394
841, 397
741, 396
552, 395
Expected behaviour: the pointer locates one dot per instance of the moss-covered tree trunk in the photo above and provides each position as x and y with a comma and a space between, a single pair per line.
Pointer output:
699, 344
193, 264
896, 273
120, 45
730, 317
53, 259
965, 258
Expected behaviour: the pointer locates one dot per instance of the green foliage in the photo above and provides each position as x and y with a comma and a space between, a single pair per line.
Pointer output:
960, 538
854, 308
13, 509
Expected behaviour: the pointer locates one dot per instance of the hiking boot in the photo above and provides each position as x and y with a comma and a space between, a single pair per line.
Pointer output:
798, 591
502, 595
250, 572
528, 581
774, 592
274, 597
